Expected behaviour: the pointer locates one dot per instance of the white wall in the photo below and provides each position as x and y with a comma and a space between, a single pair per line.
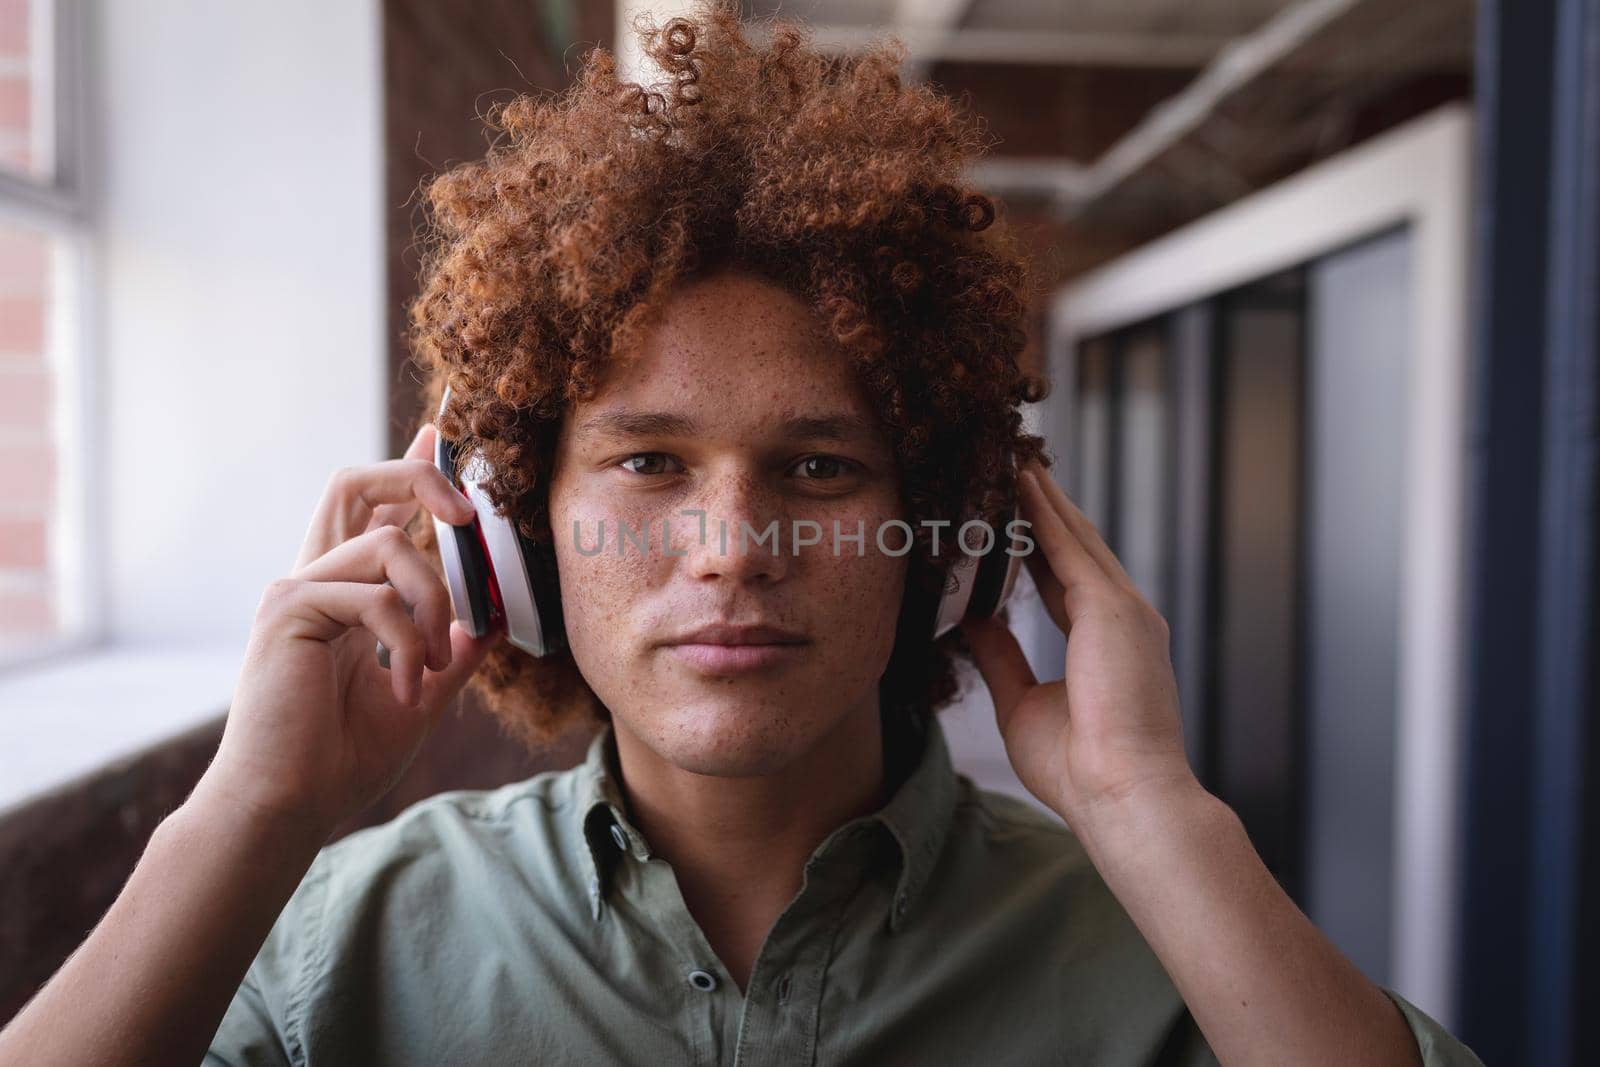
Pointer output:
234, 350
240, 358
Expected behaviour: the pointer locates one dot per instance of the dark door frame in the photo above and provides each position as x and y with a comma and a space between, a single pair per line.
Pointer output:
1530, 930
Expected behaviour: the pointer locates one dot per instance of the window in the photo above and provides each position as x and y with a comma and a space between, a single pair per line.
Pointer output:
1298, 476
1241, 703
43, 601
1271, 539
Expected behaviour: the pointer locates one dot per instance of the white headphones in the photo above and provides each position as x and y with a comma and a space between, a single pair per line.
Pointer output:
495, 572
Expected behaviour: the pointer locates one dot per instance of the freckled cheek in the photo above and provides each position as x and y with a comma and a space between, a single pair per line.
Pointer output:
597, 587
856, 598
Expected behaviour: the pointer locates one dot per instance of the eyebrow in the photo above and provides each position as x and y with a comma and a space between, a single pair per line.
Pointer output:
628, 423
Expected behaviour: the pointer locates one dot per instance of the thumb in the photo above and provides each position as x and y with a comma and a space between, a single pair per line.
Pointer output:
421, 446
1002, 664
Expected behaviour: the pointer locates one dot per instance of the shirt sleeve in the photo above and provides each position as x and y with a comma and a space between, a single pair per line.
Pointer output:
249, 1035
1186, 1046
261, 1027
1438, 1047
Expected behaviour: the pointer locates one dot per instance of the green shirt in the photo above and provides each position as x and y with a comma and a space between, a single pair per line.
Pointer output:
533, 924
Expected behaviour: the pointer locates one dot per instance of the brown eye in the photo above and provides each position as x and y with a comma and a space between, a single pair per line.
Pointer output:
650, 458
822, 468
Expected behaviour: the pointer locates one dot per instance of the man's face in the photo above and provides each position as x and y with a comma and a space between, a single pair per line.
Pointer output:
736, 363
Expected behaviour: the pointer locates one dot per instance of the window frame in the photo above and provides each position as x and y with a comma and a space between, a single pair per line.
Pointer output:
1418, 174
58, 207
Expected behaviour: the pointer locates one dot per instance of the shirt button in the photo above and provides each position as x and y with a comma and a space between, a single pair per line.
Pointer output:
619, 837
900, 907
704, 981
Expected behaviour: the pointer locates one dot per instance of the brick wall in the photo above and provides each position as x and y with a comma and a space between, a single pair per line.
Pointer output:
16, 90
27, 458
66, 856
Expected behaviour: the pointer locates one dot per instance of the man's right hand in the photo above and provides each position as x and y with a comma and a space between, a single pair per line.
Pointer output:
318, 729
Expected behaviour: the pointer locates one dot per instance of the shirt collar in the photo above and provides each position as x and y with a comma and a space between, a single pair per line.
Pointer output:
917, 815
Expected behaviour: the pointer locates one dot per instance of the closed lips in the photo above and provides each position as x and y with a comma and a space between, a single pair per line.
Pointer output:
723, 634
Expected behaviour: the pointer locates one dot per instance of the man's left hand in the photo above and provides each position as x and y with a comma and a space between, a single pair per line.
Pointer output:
1110, 728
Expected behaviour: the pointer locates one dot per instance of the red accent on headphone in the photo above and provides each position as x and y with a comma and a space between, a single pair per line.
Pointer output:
498, 609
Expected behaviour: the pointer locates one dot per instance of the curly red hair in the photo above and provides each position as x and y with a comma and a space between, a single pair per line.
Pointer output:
826, 175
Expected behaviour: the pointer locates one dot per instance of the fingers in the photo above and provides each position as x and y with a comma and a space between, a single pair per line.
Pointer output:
467, 652
1001, 662
421, 447
322, 611
1070, 565
386, 554
354, 493
1050, 589
1081, 528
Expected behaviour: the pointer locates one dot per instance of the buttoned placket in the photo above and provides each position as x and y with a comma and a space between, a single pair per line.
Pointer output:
780, 1015
653, 885
775, 1020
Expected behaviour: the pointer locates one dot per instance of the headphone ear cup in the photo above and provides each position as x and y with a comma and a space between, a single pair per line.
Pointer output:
466, 571
463, 555
545, 583
491, 568
978, 584
997, 573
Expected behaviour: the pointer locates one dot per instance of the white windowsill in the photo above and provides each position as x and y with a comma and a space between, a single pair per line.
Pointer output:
71, 717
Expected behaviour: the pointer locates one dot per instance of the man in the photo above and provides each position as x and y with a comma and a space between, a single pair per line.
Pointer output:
766, 856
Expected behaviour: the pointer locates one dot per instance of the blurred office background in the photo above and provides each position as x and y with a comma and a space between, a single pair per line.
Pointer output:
1320, 318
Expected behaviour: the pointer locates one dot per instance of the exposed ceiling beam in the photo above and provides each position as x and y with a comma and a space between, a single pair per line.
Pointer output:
924, 46
1074, 187
1235, 66
931, 31
1061, 181
938, 19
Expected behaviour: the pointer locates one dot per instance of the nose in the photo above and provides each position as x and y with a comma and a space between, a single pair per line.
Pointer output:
735, 528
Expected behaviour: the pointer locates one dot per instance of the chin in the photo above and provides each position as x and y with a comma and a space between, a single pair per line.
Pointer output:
736, 732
